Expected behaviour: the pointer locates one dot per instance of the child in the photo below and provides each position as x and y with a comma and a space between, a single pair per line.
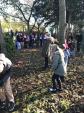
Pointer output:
5, 69
66, 54
59, 69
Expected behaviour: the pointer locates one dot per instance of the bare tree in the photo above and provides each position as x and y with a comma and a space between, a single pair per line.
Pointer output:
19, 10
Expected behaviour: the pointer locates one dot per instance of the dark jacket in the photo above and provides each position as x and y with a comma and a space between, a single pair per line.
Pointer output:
46, 43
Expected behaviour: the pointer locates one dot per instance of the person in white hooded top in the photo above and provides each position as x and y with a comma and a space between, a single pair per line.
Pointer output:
5, 75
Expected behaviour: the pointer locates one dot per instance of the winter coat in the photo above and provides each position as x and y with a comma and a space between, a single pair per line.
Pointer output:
52, 48
66, 55
5, 67
58, 63
46, 43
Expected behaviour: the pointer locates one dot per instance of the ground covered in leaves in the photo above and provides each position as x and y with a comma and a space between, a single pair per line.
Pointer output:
30, 85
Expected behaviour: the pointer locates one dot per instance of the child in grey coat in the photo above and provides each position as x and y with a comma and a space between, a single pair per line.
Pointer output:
59, 68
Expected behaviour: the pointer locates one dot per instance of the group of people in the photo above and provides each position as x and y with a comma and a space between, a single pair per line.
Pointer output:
23, 40
58, 56
35, 39
51, 49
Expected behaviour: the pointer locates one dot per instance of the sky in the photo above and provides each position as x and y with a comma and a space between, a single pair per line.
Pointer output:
29, 2
26, 1
9, 10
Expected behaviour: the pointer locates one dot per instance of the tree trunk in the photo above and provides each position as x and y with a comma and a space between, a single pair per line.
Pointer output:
82, 42
28, 27
34, 24
2, 41
68, 28
38, 37
62, 21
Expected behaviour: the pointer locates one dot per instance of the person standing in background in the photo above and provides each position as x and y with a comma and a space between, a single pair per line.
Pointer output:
45, 48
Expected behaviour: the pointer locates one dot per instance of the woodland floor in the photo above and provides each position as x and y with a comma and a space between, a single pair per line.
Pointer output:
30, 85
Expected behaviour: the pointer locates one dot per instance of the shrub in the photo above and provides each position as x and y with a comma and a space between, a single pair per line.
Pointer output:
9, 46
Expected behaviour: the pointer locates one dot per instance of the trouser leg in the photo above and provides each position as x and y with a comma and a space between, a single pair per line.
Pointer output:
2, 94
8, 90
46, 62
54, 81
58, 82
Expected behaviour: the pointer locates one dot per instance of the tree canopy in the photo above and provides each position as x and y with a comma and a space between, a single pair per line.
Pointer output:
46, 11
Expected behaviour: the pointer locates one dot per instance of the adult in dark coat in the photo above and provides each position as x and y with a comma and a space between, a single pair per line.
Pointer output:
45, 49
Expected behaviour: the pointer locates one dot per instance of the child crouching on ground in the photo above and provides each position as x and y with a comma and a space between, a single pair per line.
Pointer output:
5, 74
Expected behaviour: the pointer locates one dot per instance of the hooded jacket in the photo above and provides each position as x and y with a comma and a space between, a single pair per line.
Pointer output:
5, 65
58, 63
